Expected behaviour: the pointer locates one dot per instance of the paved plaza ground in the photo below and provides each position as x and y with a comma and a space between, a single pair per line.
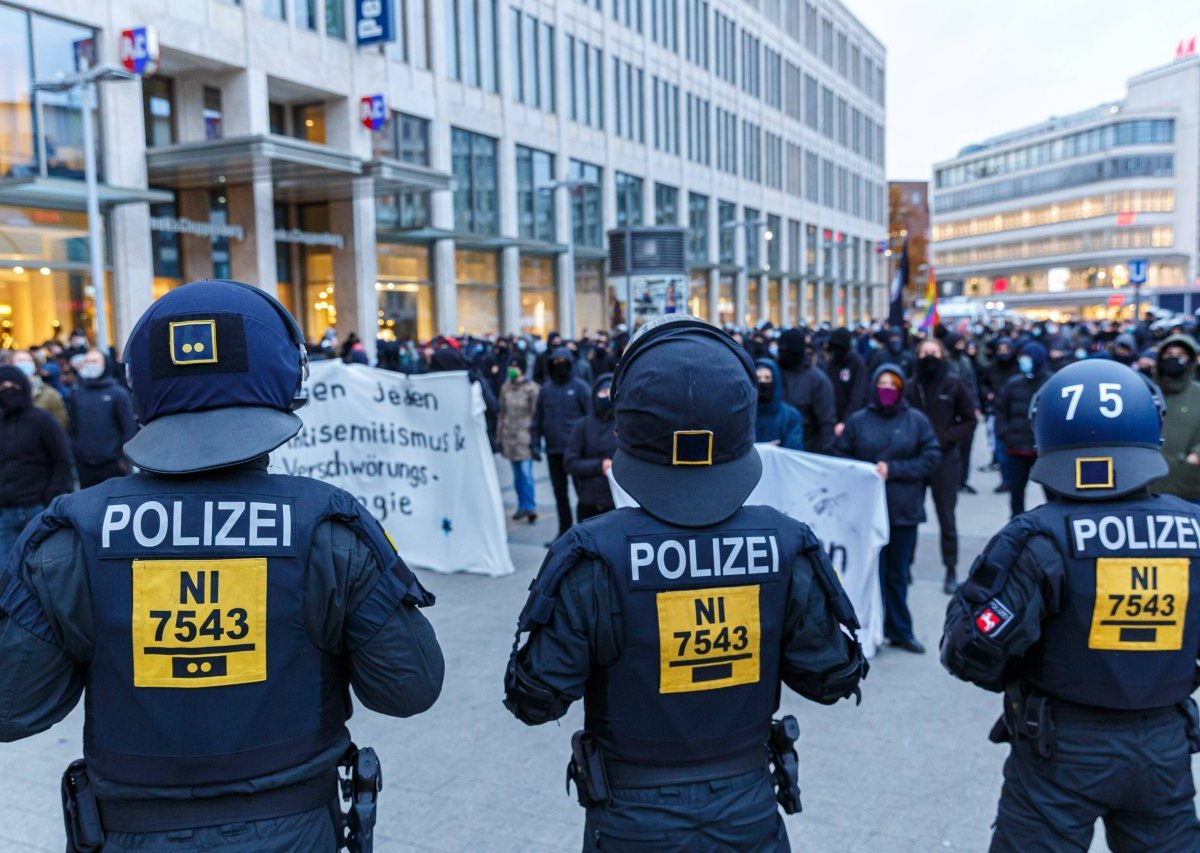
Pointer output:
909, 770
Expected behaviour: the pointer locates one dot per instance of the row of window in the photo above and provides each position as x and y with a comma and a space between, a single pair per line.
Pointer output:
1078, 144
1079, 174
533, 61
1104, 204
305, 14
1156, 237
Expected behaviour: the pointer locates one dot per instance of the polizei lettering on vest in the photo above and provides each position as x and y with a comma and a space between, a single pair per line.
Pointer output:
157, 524
1141, 532
706, 557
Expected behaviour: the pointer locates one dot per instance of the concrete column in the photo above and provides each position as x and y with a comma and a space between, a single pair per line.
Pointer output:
714, 297
510, 289
764, 297
564, 264
132, 267
445, 289
244, 107
802, 306
355, 265
252, 260
785, 301
741, 283
839, 301
197, 251
819, 307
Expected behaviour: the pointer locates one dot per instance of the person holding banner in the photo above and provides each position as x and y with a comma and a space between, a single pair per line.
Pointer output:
902, 444
677, 621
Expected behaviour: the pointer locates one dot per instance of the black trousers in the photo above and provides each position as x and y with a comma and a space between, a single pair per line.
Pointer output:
562, 494
944, 482
94, 475
1134, 774
1018, 470
585, 511
964, 457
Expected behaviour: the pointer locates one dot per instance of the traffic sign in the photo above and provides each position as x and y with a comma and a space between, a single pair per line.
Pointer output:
1137, 271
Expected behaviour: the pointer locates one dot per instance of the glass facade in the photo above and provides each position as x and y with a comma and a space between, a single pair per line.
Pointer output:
473, 161
698, 295
591, 297
405, 291
158, 110
666, 205
726, 219
587, 220
535, 194
629, 200
478, 293
1089, 207
539, 295
697, 228
471, 55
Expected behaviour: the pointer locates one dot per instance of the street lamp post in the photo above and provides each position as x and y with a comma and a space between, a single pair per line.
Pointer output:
569, 283
84, 83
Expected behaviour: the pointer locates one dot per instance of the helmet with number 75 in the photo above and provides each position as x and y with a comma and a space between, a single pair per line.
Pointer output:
1098, 429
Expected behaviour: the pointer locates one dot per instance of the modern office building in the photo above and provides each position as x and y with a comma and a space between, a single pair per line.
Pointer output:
1046, 219
424, 166
908, 229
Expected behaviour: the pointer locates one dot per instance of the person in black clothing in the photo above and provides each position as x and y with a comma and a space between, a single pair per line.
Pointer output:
807, 388
1012, 420
553, 342
900, 442
101, 422
961, 357
590, 452
564, 401
848, 374
448, 358
35, 458
893, 352
946, 401
1002, 368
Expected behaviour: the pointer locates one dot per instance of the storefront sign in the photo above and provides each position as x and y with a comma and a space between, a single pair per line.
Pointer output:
183, 225
139, 50
374, 22
309, 238
372, 112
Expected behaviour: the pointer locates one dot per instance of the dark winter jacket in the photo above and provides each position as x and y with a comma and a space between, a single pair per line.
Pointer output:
778, 421
1181, 427
1012, 411
848, 374
593, 440
561, 404
947, 402
809, 390
996, 375
903, 438
35, 458
101, 421
893, 352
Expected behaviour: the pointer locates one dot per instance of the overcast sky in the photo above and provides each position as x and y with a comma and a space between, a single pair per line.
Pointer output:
960, 71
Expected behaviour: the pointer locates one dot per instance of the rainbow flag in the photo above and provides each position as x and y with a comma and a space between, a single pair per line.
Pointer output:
931, 318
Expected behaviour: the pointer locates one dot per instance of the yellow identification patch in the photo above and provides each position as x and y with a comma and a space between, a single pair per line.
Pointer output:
1140, 604
199, 623
194, 342
708, 638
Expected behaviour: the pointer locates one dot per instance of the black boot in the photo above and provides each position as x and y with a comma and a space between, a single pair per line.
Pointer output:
950, 583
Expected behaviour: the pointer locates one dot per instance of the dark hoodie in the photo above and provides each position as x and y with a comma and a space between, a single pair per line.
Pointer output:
848, 373
903, 438
1014, 402
35, 459
593, 440
1181, 427
778, 421
809, 390
563, 402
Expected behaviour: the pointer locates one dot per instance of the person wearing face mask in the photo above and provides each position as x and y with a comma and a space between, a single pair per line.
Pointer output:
808, 389
563, 402
44, 395
947, 402
1013, 426
1175, 371
101, 422
1002, 368
35, 458
590, 453
518, 405
847, 374
778, 422
901, 443
893, 352
1125, 349
553, 342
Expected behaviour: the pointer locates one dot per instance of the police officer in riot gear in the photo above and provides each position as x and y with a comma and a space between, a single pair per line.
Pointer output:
215, 614
676, 622
1085, 613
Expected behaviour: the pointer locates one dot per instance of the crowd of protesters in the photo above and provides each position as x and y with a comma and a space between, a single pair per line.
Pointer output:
908, 401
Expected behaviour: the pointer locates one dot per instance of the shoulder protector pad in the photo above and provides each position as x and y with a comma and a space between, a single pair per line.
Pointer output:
990, 571
344, 508
831, 586
16, 599
568, 550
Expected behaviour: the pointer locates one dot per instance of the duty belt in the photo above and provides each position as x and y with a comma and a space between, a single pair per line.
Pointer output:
165, 815
622, 774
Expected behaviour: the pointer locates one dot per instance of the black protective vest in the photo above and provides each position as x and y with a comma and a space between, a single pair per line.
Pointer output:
203, 669
1128, 630
703, 614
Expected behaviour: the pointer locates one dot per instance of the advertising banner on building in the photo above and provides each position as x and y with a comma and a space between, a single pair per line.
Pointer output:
415, 452
844, 503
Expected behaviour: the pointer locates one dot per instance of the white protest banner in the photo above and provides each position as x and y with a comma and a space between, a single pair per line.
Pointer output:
414, 451
843, 501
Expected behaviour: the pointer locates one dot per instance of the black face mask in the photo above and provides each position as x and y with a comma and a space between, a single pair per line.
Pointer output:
1058, 362
1124, 357
603, 407
1174, 367
928, 367
12, 399
894, 345
789, 359
560, 371
838, 352
1004, 357
766, 392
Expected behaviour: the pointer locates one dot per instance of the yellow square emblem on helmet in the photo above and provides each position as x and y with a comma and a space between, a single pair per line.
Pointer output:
1094, 472
194, 342
692, 447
